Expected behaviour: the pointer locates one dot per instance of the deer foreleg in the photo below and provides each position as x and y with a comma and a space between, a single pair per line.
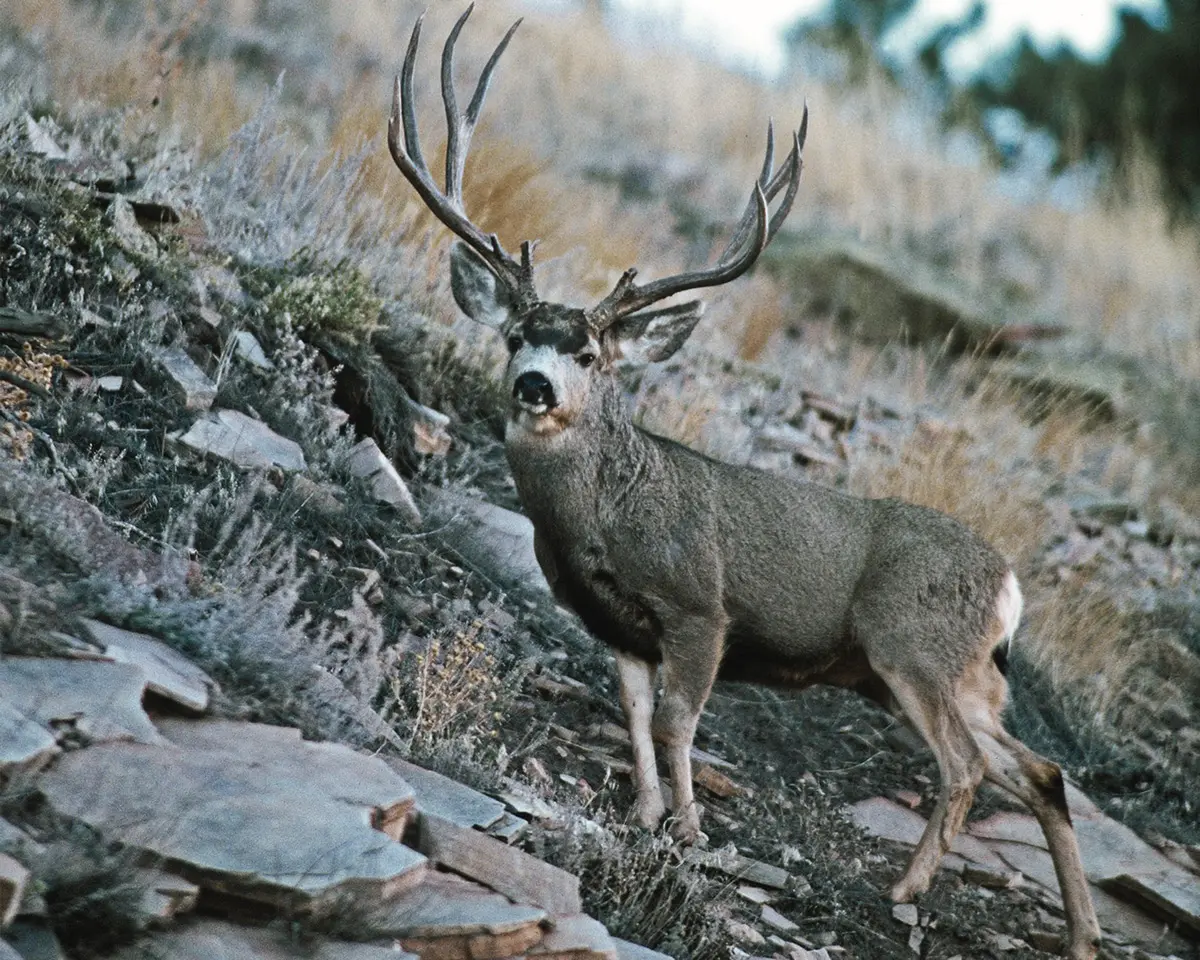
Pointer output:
691, 655
637, 700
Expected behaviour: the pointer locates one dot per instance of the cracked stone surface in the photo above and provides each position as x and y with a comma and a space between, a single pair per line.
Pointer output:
248, 810
99, 701
168, 672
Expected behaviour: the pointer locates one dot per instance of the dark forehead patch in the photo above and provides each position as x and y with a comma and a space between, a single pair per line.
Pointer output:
548, 325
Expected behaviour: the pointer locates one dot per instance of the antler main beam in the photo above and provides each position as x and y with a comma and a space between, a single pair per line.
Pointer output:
404, 144
740, 253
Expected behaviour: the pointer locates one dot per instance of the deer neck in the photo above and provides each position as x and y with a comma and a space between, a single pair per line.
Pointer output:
574, 476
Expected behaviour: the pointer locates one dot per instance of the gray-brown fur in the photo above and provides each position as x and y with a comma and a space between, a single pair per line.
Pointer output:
691, 569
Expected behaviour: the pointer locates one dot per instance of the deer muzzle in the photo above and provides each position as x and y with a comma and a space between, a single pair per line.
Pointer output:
532, 389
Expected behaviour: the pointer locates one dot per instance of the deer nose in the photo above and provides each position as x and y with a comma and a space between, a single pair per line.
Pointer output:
534, 389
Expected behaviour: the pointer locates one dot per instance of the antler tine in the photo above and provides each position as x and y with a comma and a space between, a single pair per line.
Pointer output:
448, 206
455, 157
755, 230
461, 128
403, 94
771, 187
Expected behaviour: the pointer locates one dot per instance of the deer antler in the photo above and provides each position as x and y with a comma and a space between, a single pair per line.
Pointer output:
447, 206
739, 254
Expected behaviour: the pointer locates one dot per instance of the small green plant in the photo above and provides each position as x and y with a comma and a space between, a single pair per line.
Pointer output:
334, 300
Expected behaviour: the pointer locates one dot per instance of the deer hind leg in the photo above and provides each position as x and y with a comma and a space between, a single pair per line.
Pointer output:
637, 701
1038, 783
933, 711
691, 654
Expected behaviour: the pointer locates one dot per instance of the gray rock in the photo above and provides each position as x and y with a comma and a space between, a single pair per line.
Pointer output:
34, 941
577, 936
218, 282
883, 818
41, 140
238, 439
635, 951
24, 744
447, 906
367, 461
98, 701
189, 383
209, 939
122, 219
498, 542
168, 672
448, 798
247, 810
13, 878
246, 346
885, 296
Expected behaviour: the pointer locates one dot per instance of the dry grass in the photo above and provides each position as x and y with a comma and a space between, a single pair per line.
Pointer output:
1106, 660
450, 691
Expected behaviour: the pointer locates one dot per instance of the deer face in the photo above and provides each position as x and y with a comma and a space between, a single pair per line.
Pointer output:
558, 354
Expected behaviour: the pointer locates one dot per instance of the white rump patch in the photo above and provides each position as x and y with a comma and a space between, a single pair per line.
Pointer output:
1009, 604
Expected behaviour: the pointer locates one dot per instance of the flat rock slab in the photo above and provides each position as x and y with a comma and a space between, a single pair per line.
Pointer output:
1114, 857
448, 799
449, 918
577, 937
505, 869
99, 701
168, 673
209, 939
367, 461
34, 941
242, 441
189, 383
247, 810
24, 744
741, 868
498, 541
888, 820
635, 951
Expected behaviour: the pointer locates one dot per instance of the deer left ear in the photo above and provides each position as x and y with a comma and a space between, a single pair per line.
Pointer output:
655, 335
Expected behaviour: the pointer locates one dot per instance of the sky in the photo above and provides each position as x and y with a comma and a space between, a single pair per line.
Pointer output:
747, 31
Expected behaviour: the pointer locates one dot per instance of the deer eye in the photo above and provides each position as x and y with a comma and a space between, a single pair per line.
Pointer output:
585, 359
515, 343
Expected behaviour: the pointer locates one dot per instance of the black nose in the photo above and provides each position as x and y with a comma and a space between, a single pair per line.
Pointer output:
533, 388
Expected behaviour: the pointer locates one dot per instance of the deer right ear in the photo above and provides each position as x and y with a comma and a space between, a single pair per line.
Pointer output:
477, 290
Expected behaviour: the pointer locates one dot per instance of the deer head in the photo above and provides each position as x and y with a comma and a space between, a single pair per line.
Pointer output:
558, 353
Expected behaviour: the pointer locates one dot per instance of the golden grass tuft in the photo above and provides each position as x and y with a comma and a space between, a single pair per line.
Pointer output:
1106, 660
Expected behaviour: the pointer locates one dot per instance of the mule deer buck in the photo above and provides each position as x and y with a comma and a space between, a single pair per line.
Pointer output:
698, 570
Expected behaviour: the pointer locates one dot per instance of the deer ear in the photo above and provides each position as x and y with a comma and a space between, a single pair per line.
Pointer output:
655, 335
476, 289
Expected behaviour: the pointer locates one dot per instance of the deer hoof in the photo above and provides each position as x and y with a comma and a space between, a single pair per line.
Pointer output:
686, 830
907, 890
649, 811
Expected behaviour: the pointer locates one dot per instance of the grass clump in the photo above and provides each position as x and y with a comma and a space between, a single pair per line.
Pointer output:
640, 892
338, 299
94, 894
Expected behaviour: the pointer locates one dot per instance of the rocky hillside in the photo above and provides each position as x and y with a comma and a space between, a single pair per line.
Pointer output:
279, 674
